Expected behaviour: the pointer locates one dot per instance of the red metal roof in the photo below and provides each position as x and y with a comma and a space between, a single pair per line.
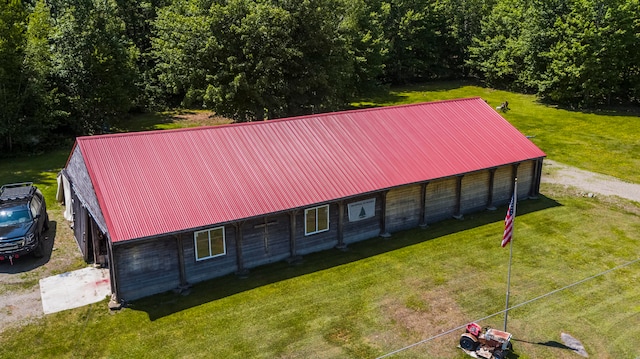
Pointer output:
149, 183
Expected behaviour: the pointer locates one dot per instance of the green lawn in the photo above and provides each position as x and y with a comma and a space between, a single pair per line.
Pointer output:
385, 294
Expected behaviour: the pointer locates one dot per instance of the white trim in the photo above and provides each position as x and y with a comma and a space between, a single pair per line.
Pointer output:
195, 243
306, 211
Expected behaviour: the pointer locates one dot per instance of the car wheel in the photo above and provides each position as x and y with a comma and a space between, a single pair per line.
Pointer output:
38, 252
45, 226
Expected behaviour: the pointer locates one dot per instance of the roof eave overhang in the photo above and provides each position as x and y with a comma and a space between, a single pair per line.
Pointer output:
299, 208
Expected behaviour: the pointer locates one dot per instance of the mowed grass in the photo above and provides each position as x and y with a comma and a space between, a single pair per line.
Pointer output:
384, 294
606, 142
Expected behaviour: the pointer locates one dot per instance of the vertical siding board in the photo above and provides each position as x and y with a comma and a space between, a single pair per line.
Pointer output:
198, 271
502, 185
363, 229
147, 268
81, 185
181, 267
265, 240
293, 240
150, 267
440, 200
80, 225
475, 191
525, 179
537, 174
403, 208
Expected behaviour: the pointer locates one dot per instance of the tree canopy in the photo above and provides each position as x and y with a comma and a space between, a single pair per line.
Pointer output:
70, 67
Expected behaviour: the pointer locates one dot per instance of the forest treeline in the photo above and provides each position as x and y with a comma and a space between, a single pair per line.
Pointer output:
71, 67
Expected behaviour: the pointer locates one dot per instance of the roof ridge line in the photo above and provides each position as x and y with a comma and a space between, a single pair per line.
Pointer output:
277, 120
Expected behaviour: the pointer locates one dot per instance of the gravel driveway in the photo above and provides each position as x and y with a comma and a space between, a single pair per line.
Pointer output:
589, 182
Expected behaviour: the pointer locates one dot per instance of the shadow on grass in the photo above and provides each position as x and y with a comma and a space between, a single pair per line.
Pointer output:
602, 110
144, 122
399, 94
28, 262
39, 169
165, 304
549, 343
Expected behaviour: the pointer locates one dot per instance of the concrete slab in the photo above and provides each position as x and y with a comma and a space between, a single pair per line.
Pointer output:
74, 289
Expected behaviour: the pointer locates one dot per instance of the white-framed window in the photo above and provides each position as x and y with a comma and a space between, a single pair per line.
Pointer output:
316, 220
209, 243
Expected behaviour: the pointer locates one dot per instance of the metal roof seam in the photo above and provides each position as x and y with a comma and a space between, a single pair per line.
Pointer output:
168, 181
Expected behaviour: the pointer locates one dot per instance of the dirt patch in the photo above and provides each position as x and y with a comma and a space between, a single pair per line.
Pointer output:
424, 316
200, 118
20, 306
20, 300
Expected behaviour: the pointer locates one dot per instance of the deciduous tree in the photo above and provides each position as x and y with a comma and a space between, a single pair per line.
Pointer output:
95, 63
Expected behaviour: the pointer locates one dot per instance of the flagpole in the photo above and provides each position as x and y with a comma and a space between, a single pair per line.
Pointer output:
515, 200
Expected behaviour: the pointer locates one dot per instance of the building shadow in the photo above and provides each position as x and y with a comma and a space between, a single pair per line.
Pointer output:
165, 304
402, 94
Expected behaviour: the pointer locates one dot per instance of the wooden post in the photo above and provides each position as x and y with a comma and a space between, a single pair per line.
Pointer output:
383, 215
458, 213
341, 245
115, 301
536, 173
86, 234
294, 257
242, 271
423, 204
95, 245
181, 266
492, 178
539, 176
514, 176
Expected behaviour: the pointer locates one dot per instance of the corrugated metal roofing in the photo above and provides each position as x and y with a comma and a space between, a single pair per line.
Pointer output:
149, 183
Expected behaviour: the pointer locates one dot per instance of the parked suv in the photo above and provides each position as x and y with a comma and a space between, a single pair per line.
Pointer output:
23, 220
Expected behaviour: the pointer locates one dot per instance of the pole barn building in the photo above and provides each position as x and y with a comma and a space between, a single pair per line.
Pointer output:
165, 209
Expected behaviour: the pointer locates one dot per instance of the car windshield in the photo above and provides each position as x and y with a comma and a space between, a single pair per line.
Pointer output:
13, 216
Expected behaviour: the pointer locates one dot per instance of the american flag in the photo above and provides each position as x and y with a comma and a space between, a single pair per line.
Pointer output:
508, 221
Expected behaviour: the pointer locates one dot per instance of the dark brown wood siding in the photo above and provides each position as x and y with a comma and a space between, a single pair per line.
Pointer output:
153, 266
80, 225
197, 271
475, 191
502, 185
440, 199
82, 187
525, 179
146, 268
319, 241
362, 229
265, 240
403, 208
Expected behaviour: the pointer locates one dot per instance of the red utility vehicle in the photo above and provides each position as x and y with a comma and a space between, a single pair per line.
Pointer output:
485, 342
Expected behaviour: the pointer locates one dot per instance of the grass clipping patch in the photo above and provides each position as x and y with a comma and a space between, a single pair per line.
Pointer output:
421, 316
